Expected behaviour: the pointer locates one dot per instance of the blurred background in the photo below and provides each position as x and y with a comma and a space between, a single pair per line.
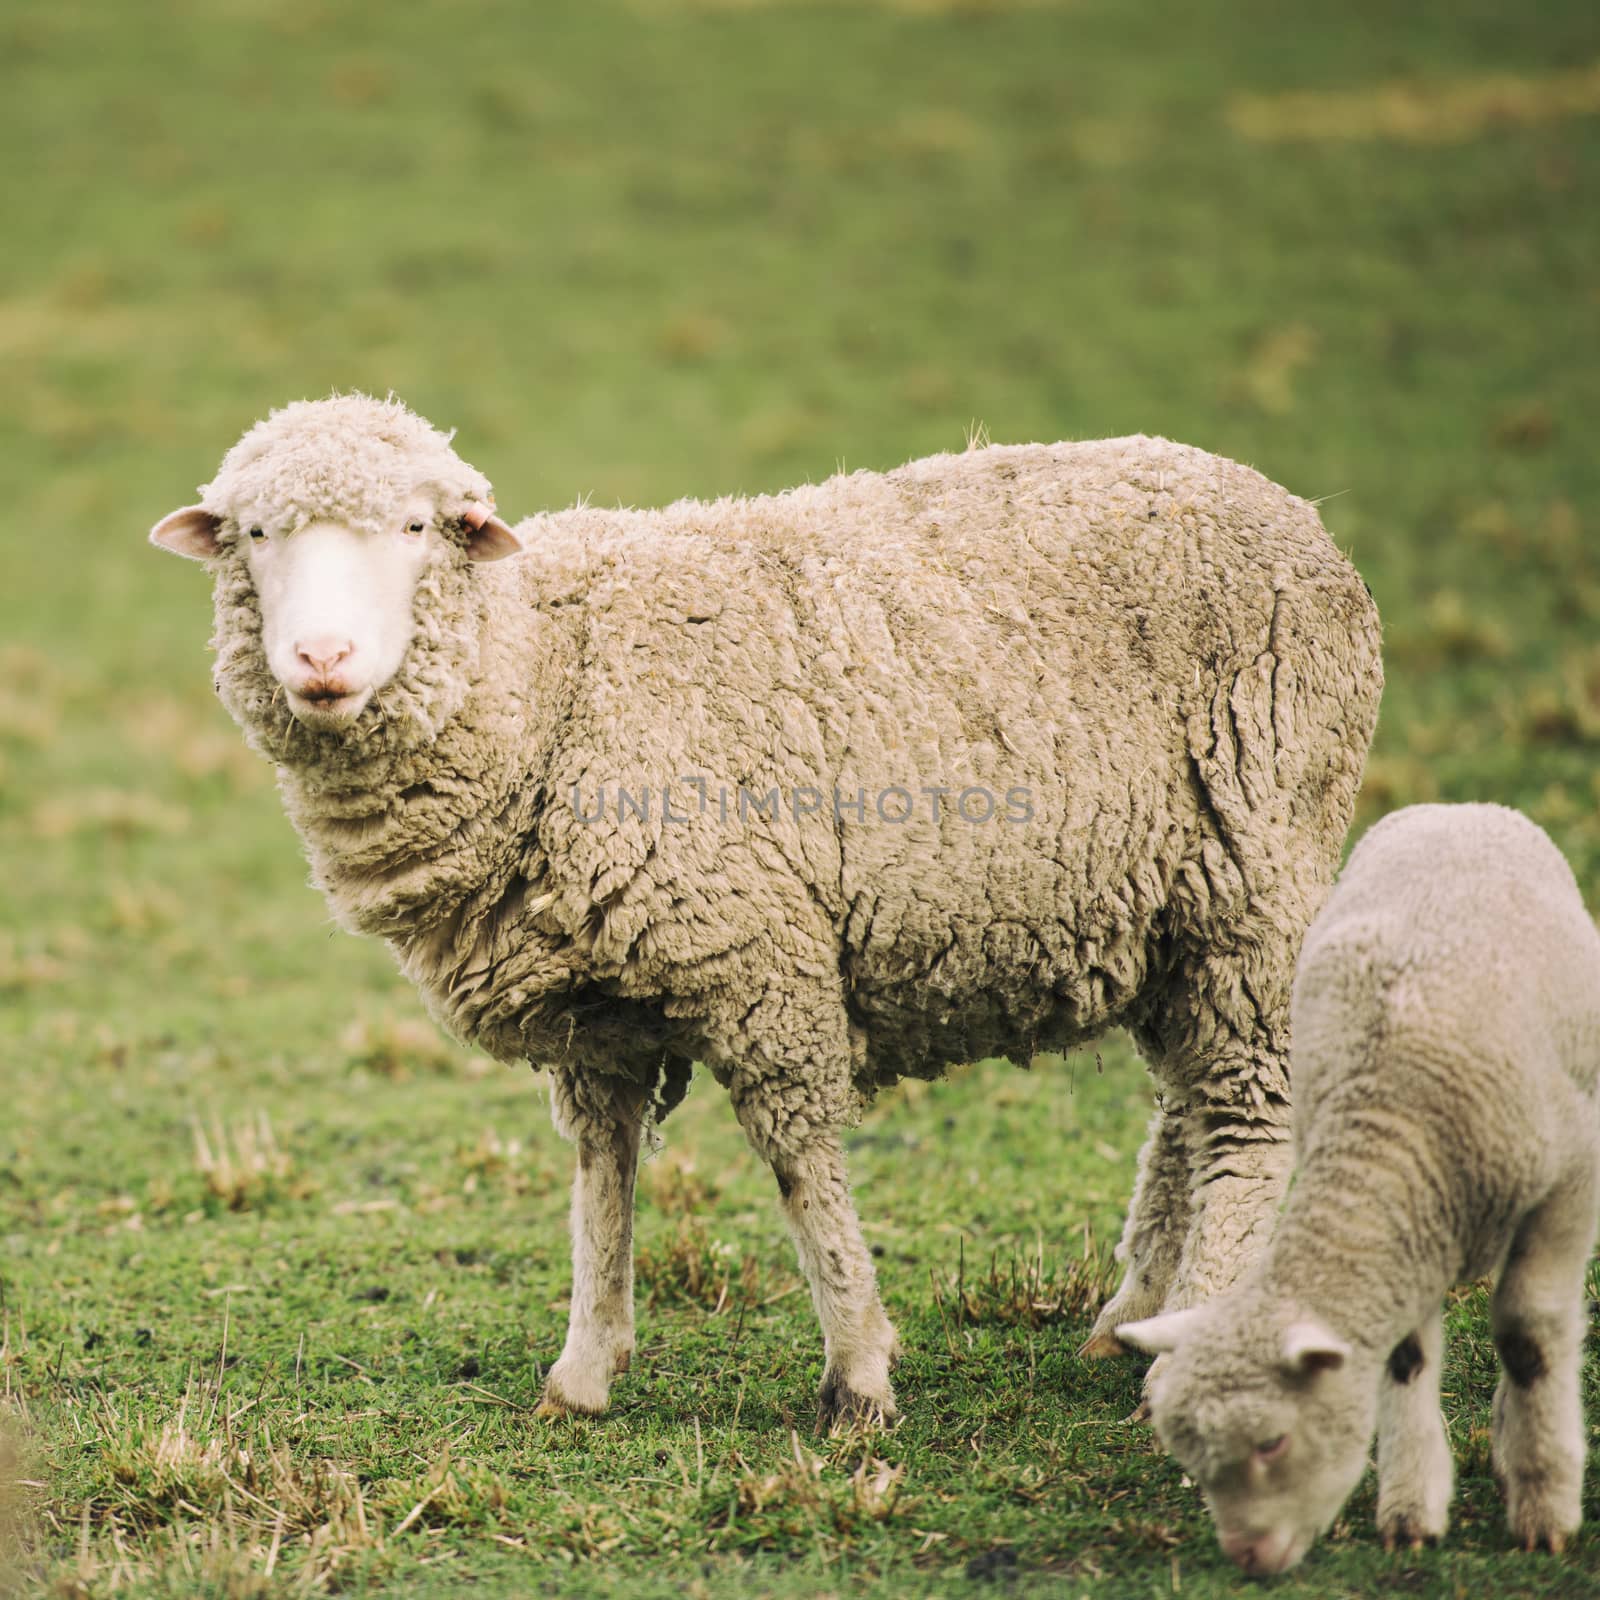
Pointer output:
634, 251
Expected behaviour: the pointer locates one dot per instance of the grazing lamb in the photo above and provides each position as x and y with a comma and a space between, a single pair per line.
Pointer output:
1447, 1123
983, 755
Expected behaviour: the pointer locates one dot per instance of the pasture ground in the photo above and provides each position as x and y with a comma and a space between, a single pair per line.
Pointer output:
279, 1271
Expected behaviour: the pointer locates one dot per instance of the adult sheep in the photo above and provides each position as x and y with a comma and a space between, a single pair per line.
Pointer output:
981, 756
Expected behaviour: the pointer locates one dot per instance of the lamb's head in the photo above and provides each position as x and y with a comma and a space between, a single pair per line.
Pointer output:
1269, 1411
333, 512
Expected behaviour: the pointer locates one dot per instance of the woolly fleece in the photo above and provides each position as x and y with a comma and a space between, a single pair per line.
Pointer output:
1163, 650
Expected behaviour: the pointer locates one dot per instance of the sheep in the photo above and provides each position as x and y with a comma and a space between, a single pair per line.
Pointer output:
985, 755
1446, 1019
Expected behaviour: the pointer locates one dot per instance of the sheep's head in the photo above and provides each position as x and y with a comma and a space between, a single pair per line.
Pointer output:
336, 509
1270, 1412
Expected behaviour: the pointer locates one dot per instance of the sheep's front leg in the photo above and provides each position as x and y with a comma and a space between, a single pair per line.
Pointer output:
792, 1092
1538, 1318
1152, 1237
1415, 1472
859, 1344
604, 1120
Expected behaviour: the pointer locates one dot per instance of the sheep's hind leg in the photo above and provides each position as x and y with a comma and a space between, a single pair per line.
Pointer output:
1152, 1237
605, 1120
1415, 1472
1538, 1318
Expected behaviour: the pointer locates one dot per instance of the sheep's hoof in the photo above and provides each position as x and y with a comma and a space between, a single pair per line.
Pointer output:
558, 1401
841, 1408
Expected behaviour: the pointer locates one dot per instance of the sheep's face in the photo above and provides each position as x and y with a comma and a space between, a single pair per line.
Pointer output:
337, 601
1270, 1416
337, 607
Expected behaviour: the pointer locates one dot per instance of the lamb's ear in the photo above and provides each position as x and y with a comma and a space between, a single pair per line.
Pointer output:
1310, 1348
488, 538
1157, 1335
191, 532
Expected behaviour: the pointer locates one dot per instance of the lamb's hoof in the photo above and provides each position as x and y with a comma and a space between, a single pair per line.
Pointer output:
1402, 1536
1405, 1532
1533, 1531
1100, 1346
841, 1408
1539, 1517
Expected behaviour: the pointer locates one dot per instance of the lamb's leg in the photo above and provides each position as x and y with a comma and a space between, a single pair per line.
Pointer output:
1415, 1472
1152, 1237
1538, 1319
604, 1119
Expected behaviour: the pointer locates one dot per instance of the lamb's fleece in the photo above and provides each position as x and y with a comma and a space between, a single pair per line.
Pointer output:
1447, 1124
1162, 651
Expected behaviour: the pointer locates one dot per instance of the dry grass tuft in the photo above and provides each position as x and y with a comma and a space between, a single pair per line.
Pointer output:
22, 969
1391, 781
495, 1163
1267, 379
120, 813
32, 693
194, 738
243, 1166
1449, 634
691, 336
691, 1268
1446, 111
215, 1494
398, 1047
450, 1494
1026, 1293
1566, 711
675, 1187
808, 1492
976, 9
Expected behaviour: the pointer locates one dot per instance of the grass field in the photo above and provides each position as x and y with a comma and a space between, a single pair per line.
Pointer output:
280, 1271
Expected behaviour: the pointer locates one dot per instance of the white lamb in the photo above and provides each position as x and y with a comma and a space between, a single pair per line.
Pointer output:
1446, 1019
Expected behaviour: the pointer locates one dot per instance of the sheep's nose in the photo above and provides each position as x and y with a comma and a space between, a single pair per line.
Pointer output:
324, 653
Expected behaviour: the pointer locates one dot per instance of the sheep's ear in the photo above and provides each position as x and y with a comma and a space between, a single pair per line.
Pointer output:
488, 538
191, 532
1310, 1348
1157, 1335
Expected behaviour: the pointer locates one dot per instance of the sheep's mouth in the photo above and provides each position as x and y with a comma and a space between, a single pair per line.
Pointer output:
327, 708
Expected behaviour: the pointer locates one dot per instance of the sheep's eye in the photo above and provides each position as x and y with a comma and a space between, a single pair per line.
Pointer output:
1271, 1449
258, 534
415, 526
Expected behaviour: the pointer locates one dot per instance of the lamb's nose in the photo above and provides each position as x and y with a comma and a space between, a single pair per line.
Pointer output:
323, 654
1242, 1549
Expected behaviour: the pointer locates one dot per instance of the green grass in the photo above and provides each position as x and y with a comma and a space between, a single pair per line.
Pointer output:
638, 251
